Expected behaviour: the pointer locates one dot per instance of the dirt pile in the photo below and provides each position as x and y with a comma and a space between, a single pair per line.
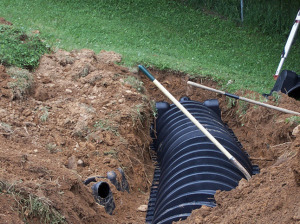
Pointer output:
82, 116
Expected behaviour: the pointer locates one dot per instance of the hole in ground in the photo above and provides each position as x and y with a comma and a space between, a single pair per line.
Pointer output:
265, 134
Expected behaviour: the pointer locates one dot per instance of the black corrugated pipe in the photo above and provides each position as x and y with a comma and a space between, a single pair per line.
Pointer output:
191, 168
101, 189
103, 196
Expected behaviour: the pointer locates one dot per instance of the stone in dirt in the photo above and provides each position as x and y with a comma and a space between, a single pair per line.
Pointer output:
142, 208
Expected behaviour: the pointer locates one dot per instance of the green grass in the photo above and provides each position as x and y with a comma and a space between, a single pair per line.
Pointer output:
164, 34
20, 49
31, 207
135, 83
269, 17
106, 125
22, 81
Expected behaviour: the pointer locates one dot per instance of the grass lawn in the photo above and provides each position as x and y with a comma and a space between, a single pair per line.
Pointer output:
164, 34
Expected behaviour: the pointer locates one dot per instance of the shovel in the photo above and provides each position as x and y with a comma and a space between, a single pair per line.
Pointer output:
288, 44
288, 82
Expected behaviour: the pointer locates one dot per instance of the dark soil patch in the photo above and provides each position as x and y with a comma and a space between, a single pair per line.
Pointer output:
3, 21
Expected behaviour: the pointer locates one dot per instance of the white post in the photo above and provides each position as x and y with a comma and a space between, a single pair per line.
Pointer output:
242, 11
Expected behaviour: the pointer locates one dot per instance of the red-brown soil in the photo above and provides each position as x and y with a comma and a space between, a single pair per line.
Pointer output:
85, 115
80, 119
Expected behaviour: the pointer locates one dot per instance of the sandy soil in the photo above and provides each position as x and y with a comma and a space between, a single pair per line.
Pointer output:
84, 115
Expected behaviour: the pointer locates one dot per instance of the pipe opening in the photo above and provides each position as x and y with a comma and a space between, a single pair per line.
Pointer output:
103, 190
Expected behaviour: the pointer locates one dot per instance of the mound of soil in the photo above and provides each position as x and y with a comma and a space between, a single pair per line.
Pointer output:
84, 116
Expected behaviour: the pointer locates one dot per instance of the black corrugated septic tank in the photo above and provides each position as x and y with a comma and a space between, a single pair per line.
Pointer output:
190, 167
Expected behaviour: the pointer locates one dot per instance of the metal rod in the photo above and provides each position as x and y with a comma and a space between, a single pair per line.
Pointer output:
242, 11
197, 123
243, 98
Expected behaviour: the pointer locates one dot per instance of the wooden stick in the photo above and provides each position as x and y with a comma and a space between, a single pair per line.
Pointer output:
197, 123
244, 99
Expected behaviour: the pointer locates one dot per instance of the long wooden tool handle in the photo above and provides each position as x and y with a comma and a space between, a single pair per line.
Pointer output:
244, 99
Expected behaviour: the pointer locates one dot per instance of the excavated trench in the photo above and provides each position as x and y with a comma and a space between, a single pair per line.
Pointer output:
189, 168
91, 125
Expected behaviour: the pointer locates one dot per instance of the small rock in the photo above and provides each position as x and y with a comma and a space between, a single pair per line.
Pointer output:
5, 127
229, 82
35, 151
81, 144
109, 142
189, 90
296, 130
142, 208
243, 183
92, 97
111, 103
80, 162
68, 91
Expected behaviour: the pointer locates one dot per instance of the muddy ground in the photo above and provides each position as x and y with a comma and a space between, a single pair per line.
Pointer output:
80, 114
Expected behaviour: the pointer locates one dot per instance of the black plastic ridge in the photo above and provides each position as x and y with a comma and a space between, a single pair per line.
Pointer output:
190, 167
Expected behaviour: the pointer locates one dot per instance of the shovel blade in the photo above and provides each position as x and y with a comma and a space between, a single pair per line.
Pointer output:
288, 83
